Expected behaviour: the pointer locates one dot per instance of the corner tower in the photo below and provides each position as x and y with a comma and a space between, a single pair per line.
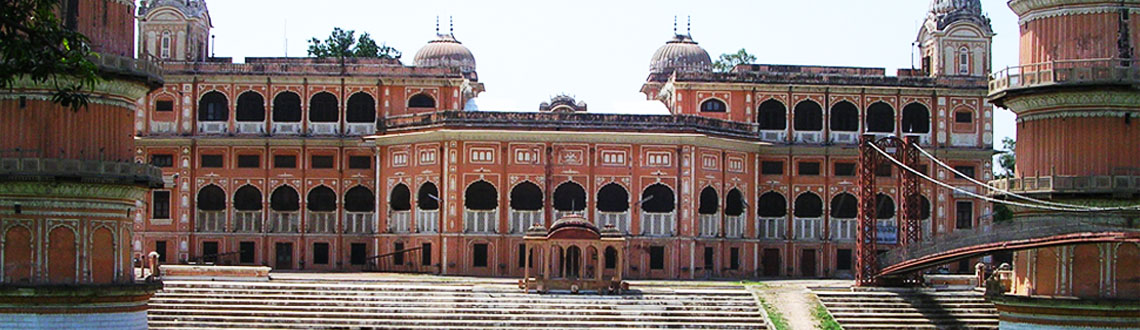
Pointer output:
174, 30
955, 39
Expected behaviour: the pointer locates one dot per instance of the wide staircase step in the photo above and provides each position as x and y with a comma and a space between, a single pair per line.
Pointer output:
908, 309
448, 303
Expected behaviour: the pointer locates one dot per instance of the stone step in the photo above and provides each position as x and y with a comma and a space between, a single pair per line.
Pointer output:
215, 301
419, 286
908, 321
584, 300
204, 321
924, 311
482, 309
831, 303
891, 326
511, 291
512, 316
913, 315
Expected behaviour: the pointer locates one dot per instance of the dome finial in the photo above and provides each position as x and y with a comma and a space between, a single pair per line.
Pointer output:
451, 22
689, 26
436, 24
674, 24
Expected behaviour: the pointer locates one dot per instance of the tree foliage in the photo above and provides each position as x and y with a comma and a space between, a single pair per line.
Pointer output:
1008, 158
728, 61
35, 45
343, 44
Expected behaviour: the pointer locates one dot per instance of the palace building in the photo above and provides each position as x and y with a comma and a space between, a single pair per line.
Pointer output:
304, 163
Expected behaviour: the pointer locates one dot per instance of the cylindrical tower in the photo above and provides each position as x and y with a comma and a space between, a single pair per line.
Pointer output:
69, 188
1078, 143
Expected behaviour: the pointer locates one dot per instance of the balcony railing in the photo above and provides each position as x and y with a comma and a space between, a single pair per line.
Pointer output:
427, 220
320, 222
1084, 71
250, 127
361, 128
619, 220
324, 128
521, 220
210, 221
887, 231
480, 221
709, 225
843, 229
809, 137
963, 139
19, 169
359, 223
776, 136
247, 221
213, 127
400, 222
287, 128
807, 228
582, 121
770, 228
734, 226
658, 224
923, 138
1070, 184
284, 222
840, 137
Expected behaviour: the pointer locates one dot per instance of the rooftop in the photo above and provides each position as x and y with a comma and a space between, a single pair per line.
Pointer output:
309, 66
828, 75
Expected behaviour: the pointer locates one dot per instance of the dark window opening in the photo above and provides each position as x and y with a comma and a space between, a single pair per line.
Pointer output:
843, 259
249, 161
361, 108
521, 261
569, 196
162, 160
772, 115
880, 118
808, 205
212, 161
734, 258
71, 15
211, 198
246, 252
320, 253
844, 169
287, 107
359, 199
359, 162
923, 208
160, 204
963, 117
709, 258
965, 215
713, 105
321, 199
734, 203
967, 171
809, 168
247, 198
772, 205
526, 197
884, 207
209, 252
844, 206
164, 105
321, 162
401, 198
250, 107
771, 168
481, 196
323, 108
357, 253
425, 254
285, 199
613, 198
657, 198
844, 117
213, 107
428, 197
656, 257
916, 119
284, 161
479, 255
398, 257
808, 116
611, 257
421, 101
709, 202
160, 247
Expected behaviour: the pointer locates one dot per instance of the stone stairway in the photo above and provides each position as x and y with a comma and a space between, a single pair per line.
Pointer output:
444, 304
856, 310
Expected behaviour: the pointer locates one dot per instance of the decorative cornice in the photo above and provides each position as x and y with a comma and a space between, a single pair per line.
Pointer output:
1058, 12
1124, 101
72, 190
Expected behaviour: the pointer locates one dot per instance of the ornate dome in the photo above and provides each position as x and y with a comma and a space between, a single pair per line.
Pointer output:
946, 12
446, 51
942, 7
574, 226
680, 54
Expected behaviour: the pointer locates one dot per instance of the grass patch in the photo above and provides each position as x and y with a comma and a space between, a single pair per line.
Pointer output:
779, 322
824, 319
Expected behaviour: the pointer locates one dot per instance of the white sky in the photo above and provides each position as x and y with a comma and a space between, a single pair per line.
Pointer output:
599, 51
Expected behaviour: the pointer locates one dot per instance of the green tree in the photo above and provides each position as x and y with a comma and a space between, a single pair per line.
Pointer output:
367, 48
728, 61
342, 44
34, 45
1008, 158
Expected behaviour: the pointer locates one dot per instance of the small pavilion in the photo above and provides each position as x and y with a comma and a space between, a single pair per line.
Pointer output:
574, 256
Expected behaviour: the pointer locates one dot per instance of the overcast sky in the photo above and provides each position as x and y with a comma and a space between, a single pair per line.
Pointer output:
599, 51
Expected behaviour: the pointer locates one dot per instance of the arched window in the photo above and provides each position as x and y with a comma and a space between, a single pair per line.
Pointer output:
613, 198
923, 208
250, 107
323, 108
421, 101
211, 198
880, 118
321, 199
734, 203
428, 197
359, 199
165, 53
247, 198
400, 199
916, 119
772, 115
657, 198
481, 196
214, 106
964, 60
526, 196
844, 117
713, 105
284, 199
361, 108
709, 202
808, 116
611, 257
569, 196
772, 205
287, 107
808, 205
884, 207
844, 206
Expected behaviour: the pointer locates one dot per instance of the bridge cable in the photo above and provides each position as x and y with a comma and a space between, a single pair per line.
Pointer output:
1018, 196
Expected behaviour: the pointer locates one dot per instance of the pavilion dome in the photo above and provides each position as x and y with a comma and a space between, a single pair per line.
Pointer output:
574, 226
680, 54
446, 51
946, 12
